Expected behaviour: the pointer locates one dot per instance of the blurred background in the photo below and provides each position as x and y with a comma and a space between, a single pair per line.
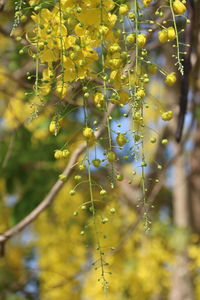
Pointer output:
52, 259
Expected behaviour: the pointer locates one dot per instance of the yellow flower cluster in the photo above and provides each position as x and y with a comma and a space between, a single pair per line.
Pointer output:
61, 153
68, 34
167, 116
86, 44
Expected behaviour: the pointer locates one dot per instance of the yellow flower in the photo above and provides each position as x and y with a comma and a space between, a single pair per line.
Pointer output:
52, 127
131, 15
146, 2
65, 153
178, 7
69, 74
166, 35
123, 9
58, 154
99, 99
49, 56
89, 136
170, 79
103, 29
90, 54
111, 156
115, 63
167, 116
55, 125
115, 77
17, 111
131, 38
61, 88
49, 30
88, 132
163, 36
96, 162
121, 139
90, 17
112, 19
164, 141
109, 4
114, 48
171, 33
141, 93
136, 115
141, 39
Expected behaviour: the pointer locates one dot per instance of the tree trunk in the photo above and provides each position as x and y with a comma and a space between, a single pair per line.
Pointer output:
182, 288
194, 182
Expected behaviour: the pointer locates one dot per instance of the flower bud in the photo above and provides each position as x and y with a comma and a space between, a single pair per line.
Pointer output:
178, 7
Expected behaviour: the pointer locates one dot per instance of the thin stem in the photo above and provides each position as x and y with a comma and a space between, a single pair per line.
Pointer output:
180, 66
104, 92
95, 223
142, 117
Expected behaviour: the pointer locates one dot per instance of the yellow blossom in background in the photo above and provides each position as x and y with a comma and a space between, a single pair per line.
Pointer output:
17, 112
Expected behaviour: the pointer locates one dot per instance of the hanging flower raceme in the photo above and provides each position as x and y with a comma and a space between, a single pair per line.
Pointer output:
94, 55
